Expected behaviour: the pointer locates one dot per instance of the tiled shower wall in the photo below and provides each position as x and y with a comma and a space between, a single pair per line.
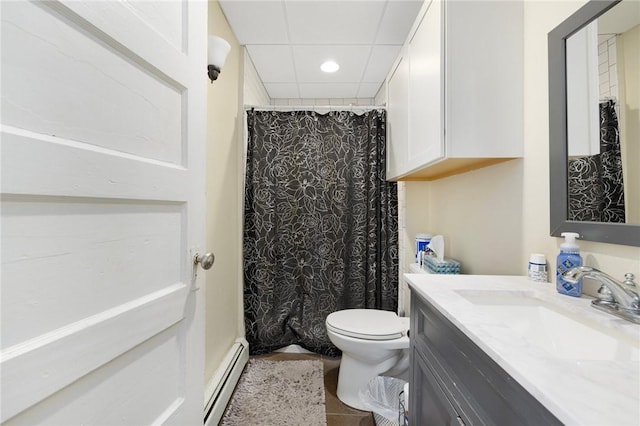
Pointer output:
403, 259
321, 101
254, 92
403, 264
607, 67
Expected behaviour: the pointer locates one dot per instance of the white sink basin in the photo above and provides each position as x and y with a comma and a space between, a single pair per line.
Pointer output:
556, 330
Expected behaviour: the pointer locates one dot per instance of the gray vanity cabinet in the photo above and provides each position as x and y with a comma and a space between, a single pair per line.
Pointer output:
453, 382
433, 407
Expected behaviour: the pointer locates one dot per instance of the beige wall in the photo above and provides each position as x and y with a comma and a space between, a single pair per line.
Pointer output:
467, 209
223, 288
493, 218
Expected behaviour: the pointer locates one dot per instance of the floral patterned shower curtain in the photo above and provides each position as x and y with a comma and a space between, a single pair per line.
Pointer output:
320, 225
596, 189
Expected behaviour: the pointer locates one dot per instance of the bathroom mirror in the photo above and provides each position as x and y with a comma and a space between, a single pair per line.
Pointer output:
594, 129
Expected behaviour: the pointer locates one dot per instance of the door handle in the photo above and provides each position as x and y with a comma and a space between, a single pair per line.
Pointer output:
205, 260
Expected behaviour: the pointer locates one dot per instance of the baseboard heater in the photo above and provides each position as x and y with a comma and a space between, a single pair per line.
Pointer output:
219, 389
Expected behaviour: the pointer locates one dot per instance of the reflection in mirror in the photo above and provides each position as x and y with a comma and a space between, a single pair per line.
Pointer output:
603, 117
627, 233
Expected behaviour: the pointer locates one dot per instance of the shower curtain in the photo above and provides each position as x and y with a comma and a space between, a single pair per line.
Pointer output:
596, 190
320, 225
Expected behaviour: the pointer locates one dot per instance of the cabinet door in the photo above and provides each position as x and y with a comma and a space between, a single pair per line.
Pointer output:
484, 79
429, 405
583, 92
397, 103
426, 90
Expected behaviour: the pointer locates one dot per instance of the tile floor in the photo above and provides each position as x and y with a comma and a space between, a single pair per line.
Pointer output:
338, 414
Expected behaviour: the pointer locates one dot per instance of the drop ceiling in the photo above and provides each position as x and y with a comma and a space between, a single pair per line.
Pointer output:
288, 40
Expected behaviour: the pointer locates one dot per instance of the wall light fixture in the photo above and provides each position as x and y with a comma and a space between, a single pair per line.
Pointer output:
217, 54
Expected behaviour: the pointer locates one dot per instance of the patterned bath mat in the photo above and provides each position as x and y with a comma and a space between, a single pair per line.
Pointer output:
273, 393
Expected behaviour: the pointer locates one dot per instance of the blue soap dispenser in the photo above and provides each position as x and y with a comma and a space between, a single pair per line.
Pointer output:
569, 257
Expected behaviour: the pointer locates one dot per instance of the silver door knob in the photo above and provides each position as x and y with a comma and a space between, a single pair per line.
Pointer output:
205, 260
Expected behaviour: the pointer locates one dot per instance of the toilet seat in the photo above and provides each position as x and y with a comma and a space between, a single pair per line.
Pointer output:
368, 324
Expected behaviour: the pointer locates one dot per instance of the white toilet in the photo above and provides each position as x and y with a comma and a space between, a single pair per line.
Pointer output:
372, 342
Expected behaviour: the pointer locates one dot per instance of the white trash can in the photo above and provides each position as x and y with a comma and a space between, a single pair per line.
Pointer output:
383, 397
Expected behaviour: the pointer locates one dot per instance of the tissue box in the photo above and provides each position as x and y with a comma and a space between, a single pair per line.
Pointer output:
446, 266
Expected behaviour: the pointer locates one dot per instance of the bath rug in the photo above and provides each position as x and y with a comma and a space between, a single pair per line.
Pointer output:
272, 393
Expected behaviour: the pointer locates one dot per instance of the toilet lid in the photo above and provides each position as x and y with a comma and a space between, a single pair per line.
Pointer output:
370, 324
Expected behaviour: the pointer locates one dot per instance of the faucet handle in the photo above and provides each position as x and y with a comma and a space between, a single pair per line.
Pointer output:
605, 295
629, 280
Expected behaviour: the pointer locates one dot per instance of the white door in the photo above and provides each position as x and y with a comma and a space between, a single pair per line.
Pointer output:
103, 138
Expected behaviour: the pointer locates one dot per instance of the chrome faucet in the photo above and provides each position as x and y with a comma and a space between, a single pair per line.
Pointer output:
614, 297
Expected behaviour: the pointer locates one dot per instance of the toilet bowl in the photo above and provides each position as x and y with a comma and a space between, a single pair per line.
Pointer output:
372, 342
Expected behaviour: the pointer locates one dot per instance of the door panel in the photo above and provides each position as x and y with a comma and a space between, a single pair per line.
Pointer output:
103, 130
55, 241
36, 368
105, 173
124, 383
110, 101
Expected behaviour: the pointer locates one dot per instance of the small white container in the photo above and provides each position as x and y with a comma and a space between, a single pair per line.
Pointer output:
537, 269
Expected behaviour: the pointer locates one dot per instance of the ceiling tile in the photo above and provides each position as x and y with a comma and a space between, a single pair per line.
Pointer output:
397, 21
368, 90
352, 61
274, 63
282, 90
333, 22
287, 41
382, 57
333, 90
256, 22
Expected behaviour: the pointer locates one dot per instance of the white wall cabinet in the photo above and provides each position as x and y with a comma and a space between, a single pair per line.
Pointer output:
464, 106
398, 119
426, 88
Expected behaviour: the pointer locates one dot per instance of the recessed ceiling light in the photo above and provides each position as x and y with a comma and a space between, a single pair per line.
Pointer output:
329, 66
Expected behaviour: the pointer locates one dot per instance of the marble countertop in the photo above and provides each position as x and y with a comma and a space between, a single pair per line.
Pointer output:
580, 389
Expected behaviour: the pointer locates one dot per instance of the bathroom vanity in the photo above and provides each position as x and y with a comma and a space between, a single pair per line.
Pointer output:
455, 380
504, 350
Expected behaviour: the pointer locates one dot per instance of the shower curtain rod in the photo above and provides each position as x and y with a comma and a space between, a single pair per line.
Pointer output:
608, 98
314, 107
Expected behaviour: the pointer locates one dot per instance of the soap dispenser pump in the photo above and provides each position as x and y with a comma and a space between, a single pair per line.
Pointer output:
569, 257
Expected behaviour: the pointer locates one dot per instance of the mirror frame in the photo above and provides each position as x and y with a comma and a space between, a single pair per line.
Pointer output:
613, 233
